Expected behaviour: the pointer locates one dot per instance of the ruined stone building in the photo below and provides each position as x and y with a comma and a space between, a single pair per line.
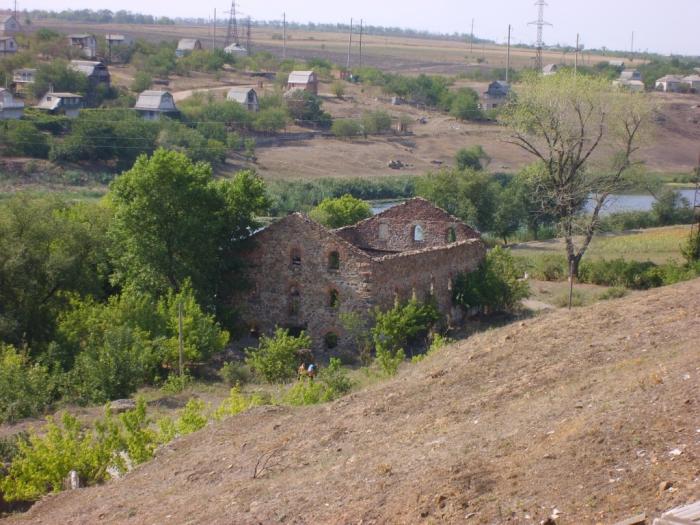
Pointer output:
303, 275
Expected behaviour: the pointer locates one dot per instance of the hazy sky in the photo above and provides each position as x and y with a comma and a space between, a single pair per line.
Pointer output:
664, 27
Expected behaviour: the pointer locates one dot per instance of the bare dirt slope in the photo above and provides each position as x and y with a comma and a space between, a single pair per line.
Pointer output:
587, 412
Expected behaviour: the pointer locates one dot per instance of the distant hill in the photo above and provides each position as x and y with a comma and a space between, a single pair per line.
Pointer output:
594, 413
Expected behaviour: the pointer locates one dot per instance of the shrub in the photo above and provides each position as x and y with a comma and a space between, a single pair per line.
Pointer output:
237, 402
345, 128
235, 373
142, 81
139, 440
549, 267
338, 88
495, 286
577, 299
473, 158
270, 120
26, 389
192, 418
305, 393
402, 324
275, 358
335, 378
19, 138
691, 248
615, 292
389, 360
374, 122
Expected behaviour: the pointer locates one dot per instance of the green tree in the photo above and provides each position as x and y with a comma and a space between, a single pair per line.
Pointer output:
346, 127
61, 77
275, 358
173, 222
142, 81
306, 108
342, 211
270, 120
474, 158
562, 120
26, 388
23, 139
510, 212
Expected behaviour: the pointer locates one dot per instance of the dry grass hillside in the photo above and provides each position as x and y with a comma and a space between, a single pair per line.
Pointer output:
594, 413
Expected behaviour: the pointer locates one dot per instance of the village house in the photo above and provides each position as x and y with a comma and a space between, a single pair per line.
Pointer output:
692, 82
245, 96
96, 72
85, 42
68, 104
23, 78
10, 108
550, 69
186, 45
303, 276
114, 41
152, 105
631, 74
669, 84
8, 45
304, 80
9, 25
636, 86
236, 50
496, 95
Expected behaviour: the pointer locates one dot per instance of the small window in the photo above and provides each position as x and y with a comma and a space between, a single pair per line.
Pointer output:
296, 257
330, 340
383, 231
333, 298
418, 233
334, 261
451, 234
294, 304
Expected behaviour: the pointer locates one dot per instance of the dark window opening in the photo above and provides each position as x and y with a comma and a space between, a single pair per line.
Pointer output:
294, 304
333, 299
296, 257
330, 340
451, 234
334, 261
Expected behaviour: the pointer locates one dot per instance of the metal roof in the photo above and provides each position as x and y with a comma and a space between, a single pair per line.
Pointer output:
86, 67
51, 101
188, 44
80, 36
156, 101
240, 94
301, 77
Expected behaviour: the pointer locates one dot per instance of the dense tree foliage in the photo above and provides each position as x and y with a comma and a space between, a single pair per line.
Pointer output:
341, 211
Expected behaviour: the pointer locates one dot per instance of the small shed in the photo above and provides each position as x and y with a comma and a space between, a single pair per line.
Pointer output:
246, 96
68, 104
152, 105
550, 69
9, 25
306, 80
631, 74
692, 82
96, 72
10, 108
114, 39
635, 86
186, 45
669, 84
236, 50
8, 45
496, 95
85, 42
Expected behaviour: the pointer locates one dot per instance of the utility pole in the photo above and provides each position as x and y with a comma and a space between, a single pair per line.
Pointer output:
576, 59
247, 36
16, 19
284, 35
471, 40
632, 48
213, 33
508, 57
349, 46
361, 26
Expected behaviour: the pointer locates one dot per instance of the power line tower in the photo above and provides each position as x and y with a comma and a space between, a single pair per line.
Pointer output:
247, 36
540, 23
232, 31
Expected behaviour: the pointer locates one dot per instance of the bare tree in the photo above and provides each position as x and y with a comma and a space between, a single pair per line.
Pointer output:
584, 133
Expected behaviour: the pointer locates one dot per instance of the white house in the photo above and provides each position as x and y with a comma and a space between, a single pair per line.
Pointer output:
236, 50
186, 45
85, 42
693, 83
9, 25
23, 78
306, 80
8, 45
154, 104
245, 96
10, 108
68, 104
669, 84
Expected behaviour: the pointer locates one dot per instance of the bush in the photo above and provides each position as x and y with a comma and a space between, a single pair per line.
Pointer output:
472, 158
577, 299
402, 324
615, 292
270, 120
338, 88
375, 122
341, 211
332, 383
275, 358
235, 373
345, 128
495, 286
389, 360
26, 389
549, 267
236, 403
23, 139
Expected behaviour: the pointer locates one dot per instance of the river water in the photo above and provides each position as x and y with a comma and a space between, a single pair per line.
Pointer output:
616, 203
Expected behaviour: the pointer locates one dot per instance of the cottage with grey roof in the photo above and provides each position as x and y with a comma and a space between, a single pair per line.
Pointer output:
152, 105
96, 72
8, 45
10, 108
68, 104
9, 25
245, 96
692, 82
86, 43
496, 95
305, 80
669, 84
186, 45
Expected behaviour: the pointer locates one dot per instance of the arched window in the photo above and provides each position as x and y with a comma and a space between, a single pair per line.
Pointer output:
294, 301
383, 231
451, 234
333, 298
330, 340
296, 257
418, 233
334, 261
